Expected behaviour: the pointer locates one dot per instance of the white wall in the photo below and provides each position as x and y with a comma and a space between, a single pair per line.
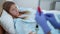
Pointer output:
9, 0
57, 6
1, 3
49, 4
27, 3
44, 4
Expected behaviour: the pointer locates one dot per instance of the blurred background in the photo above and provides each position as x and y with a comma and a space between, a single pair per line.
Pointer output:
46, 5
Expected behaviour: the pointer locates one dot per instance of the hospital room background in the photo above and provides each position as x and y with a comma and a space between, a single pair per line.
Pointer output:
47, 6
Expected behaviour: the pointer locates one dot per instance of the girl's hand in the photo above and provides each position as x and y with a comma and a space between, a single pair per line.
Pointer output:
32, 33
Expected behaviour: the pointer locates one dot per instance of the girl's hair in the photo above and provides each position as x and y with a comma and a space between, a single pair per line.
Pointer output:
7, 5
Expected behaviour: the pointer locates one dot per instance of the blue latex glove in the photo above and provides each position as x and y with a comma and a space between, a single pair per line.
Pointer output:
52, 20
41, 20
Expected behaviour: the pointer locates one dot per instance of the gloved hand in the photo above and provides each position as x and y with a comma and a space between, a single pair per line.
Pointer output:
41, 20
52, 20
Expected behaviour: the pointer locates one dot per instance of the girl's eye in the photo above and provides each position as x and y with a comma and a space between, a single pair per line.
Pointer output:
13, 9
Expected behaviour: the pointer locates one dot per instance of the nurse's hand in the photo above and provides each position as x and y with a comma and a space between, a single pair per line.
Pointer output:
41, 20
51, 18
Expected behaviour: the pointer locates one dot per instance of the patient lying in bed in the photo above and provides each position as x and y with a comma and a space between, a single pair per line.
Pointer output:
21, 26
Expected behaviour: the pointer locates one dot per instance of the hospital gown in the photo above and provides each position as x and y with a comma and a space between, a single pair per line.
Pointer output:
23, 27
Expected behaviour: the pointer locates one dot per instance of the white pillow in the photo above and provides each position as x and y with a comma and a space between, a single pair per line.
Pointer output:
7, 22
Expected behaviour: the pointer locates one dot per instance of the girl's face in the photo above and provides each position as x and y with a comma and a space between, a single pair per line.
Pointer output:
14, 11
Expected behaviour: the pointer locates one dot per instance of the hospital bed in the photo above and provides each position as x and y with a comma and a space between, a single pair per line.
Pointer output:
32, 20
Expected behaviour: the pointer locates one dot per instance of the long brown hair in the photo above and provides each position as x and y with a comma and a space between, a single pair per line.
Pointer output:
7, 5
